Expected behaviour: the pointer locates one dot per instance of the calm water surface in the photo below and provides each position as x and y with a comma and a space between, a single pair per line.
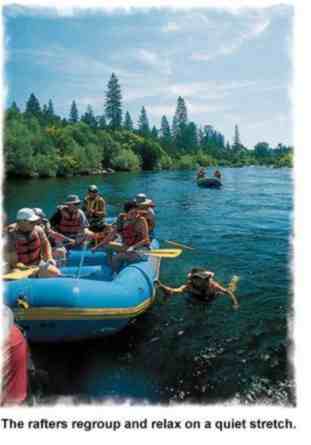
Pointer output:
181, 349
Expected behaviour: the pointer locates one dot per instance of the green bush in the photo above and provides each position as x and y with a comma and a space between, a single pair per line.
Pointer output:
126, 160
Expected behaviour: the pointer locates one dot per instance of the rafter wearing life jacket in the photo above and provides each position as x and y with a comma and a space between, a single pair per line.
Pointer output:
28, 246
96, 205
131, 233
70, 222
149, 217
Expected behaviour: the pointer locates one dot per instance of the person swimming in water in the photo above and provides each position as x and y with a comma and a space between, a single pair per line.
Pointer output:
200, 284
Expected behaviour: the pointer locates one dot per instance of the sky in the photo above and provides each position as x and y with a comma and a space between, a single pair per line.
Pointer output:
231, 66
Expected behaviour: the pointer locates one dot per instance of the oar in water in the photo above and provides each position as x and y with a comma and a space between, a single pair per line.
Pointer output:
180, 245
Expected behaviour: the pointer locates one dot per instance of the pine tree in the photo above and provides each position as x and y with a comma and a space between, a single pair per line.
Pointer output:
128, 123
101, 122
174, 127
190, 137
143, 123
180, 121
33, 106
154, 133
113, 105
51, 109
74, 115
236, 139
181, 111
89, 118
165, 128
200, 137
14, 108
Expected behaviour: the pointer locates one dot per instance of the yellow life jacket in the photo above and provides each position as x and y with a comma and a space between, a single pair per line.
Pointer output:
97, 204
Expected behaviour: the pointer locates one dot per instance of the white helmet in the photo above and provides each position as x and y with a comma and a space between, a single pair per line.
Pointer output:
27, 215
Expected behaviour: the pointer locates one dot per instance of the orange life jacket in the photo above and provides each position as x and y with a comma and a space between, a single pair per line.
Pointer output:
28, 247
70, 223
130, 235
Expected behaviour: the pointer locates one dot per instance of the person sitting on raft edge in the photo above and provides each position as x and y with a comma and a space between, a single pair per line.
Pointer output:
146, 209
133, 229
71, 221
27, 245
200, 284
200, 173
94, 207
217, 174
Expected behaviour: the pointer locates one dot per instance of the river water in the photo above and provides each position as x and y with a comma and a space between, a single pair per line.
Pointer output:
183, 350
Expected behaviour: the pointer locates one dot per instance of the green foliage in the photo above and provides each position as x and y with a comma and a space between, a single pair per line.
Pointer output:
46, 165
126, 160
38, 142
185, 162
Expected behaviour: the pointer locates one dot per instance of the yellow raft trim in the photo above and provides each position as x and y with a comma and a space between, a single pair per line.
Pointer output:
61, 313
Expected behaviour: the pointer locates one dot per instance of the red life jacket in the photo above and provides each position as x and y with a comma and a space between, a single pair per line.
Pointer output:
70, 223
28, 247
130, 235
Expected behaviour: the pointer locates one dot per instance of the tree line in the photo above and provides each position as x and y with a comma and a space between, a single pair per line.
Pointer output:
39, 142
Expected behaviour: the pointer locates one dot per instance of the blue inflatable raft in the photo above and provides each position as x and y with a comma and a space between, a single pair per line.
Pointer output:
95, 304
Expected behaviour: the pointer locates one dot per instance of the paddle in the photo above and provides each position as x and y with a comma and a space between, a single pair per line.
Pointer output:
162, 253
180, 245
81, 260
20, 274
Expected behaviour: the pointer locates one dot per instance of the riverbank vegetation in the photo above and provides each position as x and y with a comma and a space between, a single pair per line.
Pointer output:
38, 142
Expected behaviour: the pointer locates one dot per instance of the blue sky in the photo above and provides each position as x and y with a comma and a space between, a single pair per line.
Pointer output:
231, 67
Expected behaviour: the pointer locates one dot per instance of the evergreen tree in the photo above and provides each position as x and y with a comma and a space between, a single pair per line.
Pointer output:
180, 121
128, 123
74, 114
154, 133
14, 108
165, 133
89, 118
190, 136
165, 128
33, 106
51, 109
45, 114
174, 127
113, 105
236, 139
143, 123
101, 122
200, 136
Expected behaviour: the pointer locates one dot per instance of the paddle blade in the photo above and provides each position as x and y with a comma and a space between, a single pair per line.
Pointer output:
180, 245
20, 274
164, 253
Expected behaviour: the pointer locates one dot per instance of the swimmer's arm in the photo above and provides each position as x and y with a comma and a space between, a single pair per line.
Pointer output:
235, 303
172, 290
